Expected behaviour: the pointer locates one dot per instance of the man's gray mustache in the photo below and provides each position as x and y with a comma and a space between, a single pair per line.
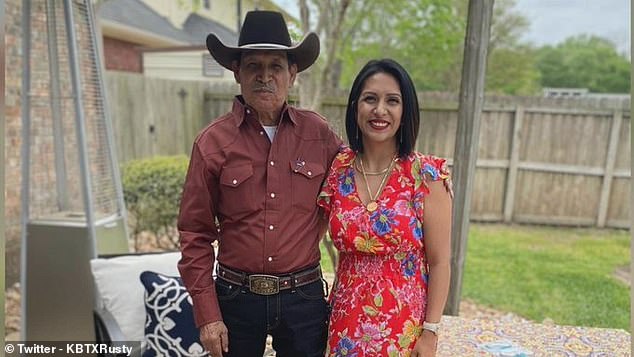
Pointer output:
264, 88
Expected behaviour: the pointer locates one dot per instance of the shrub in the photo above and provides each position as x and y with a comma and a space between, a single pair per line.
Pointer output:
152, 191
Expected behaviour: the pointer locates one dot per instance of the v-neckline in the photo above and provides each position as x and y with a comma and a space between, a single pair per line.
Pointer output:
356, 187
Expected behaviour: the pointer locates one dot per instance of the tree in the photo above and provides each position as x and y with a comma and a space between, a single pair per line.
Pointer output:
330, 15
426, 36
511, 67
512, 71
584, 62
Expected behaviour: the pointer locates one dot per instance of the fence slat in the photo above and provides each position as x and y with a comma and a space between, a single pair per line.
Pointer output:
613, 144
511, 180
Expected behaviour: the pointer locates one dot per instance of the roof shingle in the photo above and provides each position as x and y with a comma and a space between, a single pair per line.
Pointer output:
134, 13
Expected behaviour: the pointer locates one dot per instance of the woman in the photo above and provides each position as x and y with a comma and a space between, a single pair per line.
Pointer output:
389, 214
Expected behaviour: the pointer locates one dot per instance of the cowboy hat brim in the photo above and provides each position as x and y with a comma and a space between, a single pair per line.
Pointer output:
305, 52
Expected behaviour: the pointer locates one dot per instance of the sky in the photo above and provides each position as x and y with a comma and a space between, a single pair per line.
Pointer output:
552, 21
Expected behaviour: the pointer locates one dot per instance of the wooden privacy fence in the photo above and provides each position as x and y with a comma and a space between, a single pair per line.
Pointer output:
546, 166
154, 116
540, 160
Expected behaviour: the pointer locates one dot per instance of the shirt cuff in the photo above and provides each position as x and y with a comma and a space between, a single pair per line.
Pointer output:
206, 308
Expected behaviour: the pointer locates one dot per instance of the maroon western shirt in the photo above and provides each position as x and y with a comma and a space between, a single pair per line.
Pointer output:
262, 195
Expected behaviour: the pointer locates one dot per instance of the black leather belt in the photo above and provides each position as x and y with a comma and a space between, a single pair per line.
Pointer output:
264, 284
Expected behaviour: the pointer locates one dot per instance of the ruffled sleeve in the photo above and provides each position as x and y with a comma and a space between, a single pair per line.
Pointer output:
329, 187
325, 195
426, 169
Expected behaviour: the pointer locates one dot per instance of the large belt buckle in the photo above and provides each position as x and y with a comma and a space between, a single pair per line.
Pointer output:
264, 284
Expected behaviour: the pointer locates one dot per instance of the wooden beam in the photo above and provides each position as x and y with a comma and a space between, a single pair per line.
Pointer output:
487, 163
486, 217
467, 136
610, 159
619, 223
627, 173
554, 220
561, 168
549, 167
511, 177
568, 111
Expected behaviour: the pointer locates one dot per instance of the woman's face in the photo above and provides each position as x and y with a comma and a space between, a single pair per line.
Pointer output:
379, 110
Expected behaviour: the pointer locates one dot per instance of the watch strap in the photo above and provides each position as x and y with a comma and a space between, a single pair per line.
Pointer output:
431, 327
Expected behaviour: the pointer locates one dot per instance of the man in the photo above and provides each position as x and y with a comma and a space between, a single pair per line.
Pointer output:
252, 184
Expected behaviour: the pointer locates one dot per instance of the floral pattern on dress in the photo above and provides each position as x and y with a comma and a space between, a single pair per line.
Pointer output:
379, 301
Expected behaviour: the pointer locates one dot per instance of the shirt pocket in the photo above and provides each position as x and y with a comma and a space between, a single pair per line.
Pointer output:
236, 190
306, 179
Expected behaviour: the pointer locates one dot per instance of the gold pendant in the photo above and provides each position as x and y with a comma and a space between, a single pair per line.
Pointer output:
372, 206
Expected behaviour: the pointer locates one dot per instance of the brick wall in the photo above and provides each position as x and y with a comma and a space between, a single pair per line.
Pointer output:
122, 56
13, 78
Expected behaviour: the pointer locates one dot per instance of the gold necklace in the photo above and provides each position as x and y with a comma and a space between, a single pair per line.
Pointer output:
375, 173
372, 204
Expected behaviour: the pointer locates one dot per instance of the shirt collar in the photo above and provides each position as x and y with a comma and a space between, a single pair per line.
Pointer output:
240, 110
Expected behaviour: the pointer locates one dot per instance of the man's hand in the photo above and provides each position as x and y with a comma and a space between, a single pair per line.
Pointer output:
215, 338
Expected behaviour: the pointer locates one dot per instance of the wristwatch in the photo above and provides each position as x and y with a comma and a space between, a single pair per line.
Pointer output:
431, 327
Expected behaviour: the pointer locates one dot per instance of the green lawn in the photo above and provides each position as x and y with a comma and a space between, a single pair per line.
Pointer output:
326, 263
541, 272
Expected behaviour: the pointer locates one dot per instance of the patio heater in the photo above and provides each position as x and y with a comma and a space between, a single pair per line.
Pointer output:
72, 200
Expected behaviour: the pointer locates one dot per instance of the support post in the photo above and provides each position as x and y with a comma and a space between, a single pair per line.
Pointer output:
467, 136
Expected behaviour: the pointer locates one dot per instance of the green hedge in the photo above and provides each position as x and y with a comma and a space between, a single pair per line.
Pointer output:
152, 191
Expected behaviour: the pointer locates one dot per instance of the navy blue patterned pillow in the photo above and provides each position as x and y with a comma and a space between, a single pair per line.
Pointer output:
169, 321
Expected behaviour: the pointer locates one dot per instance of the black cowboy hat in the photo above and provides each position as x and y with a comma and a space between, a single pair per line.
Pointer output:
265, 30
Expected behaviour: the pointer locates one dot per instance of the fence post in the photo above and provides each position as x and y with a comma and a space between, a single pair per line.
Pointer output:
511, 178
608, 173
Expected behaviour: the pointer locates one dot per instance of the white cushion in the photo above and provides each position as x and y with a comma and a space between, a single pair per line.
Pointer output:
121, 292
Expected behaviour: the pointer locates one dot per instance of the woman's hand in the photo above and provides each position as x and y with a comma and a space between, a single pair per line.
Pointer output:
426, 345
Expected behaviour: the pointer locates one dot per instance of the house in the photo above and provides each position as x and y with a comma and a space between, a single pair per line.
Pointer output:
166, 38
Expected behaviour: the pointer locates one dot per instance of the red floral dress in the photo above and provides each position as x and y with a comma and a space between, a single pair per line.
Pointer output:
378, 304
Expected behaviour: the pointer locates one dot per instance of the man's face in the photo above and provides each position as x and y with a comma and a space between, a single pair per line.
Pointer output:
265, 78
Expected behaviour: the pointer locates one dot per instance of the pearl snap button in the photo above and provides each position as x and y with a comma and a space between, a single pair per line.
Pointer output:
270, 259
272, 163
271, 227
309, 173
272, 195
235, 182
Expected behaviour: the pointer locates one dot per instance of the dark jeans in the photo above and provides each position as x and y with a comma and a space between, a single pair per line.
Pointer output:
297, 320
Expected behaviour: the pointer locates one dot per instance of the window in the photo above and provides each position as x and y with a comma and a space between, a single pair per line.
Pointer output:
207, 4
211, 68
